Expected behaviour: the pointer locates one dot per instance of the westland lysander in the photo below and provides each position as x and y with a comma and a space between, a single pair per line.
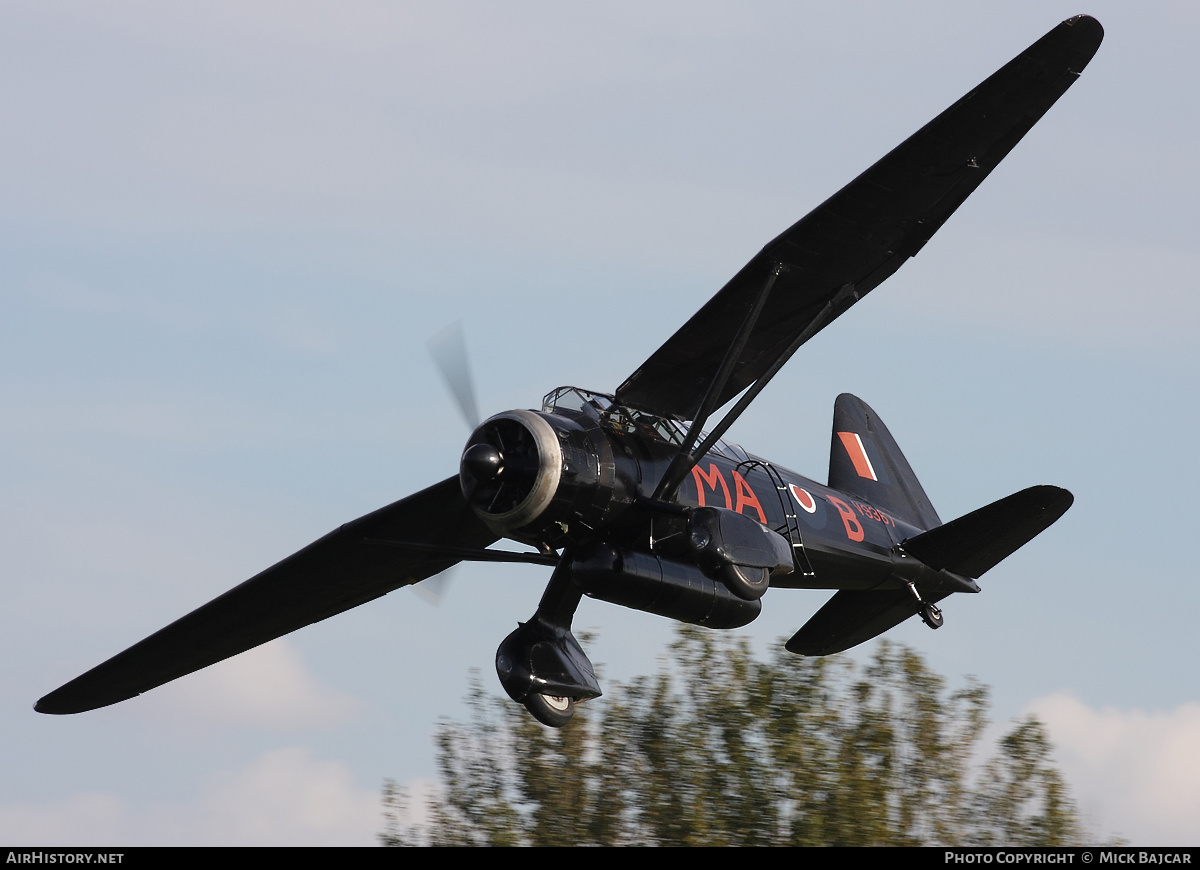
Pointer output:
631, 497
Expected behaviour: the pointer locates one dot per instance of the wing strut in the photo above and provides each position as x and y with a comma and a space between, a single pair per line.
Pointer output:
467, 554
683, 463
687, 457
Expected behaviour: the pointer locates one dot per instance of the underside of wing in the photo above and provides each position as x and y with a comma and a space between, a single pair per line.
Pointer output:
863, 233
344, 569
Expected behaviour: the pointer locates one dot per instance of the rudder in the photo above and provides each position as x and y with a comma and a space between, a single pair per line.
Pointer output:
865, 461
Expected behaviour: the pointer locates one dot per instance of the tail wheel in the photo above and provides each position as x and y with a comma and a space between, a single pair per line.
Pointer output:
932, 616
552, 710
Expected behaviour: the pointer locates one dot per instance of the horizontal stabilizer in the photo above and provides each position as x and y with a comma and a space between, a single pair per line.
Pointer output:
852, 617
976, 542
968, 546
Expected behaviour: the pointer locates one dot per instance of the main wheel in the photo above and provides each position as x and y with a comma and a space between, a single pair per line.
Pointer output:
553, 710
749, 584
932, 616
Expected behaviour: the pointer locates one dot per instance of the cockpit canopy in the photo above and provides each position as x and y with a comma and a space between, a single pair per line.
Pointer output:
603, 408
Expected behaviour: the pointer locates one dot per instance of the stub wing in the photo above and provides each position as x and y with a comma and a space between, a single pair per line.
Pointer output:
342, 570
863, 233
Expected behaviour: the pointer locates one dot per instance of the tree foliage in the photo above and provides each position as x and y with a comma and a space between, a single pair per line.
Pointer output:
718, 748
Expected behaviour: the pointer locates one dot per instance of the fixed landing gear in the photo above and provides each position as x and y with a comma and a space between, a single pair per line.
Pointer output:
541, 664
552, 710
736, 550
747, 583
543, 667
931, 614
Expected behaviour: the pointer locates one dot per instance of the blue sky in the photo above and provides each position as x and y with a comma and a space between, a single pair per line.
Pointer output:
228, 230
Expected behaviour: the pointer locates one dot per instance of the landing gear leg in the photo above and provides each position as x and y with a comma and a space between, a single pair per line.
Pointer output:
541, 664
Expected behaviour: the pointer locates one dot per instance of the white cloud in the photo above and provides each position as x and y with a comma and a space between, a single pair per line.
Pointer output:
267, 687
284, 797
91, 819
1135, 773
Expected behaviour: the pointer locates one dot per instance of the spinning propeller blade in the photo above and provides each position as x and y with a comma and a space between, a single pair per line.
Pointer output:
449, 351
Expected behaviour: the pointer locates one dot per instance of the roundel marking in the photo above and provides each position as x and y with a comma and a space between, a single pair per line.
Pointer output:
803, 498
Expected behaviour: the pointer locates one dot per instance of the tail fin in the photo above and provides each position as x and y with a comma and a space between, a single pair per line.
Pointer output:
864, 460
976, 542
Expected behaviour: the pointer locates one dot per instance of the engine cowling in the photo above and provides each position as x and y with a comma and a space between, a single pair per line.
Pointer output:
543, 477
511, 469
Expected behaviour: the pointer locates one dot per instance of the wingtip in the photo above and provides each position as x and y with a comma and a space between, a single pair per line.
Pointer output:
1054, 500
52, 706
1057, 493
1065, 498
44, 705
66, 703
1086, 23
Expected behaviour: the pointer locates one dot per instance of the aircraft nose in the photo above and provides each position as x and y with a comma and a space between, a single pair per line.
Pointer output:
483, 463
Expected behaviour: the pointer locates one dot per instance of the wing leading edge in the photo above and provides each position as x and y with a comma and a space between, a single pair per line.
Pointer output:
341, 570
862, 234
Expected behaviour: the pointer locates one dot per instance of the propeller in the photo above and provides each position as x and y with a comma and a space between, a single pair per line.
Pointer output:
433, 590
449, 351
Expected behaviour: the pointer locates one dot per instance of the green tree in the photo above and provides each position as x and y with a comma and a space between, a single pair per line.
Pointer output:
718, 748
1022, 799
476, 807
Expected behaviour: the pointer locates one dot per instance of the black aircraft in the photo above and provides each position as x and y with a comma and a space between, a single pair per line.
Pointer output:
632, 501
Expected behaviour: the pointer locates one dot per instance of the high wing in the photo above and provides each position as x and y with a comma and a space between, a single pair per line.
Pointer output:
348, 567
862, 234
